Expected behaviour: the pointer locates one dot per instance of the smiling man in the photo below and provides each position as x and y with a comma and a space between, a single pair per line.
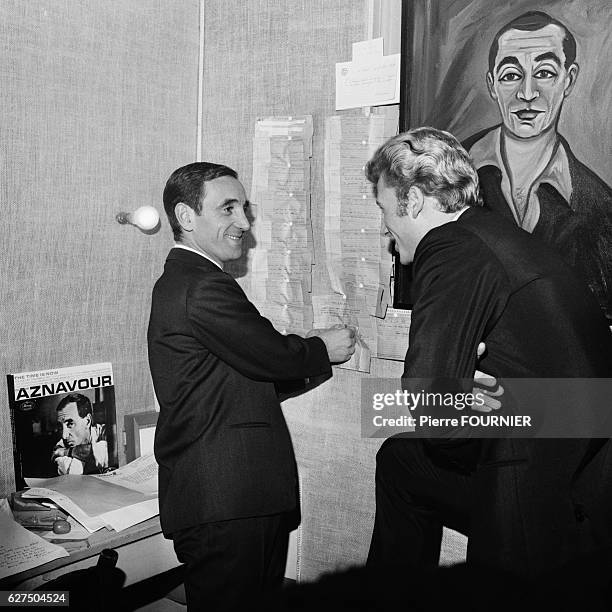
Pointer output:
527, 170
227, 475
523, 503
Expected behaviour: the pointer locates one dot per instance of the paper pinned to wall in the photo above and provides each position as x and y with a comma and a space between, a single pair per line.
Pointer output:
20, 549
280, 264
370, 79
356, 251
367, 50
393, 333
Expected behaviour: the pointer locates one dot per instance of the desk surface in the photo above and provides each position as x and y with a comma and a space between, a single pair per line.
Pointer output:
92, 546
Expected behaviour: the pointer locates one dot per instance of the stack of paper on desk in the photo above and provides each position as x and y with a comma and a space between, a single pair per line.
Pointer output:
118, 499
20, 549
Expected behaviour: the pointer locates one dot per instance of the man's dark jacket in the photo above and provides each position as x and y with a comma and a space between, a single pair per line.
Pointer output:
222, 444
480, 278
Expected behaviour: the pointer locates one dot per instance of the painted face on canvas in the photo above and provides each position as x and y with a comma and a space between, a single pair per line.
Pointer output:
220, 228
529, 80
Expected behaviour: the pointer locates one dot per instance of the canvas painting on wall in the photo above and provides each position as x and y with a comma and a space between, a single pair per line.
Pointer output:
527, 87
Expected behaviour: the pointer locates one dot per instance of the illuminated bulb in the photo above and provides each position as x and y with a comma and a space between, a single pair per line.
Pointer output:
145, 218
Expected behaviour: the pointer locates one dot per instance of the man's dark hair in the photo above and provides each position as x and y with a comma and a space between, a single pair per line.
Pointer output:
187, 185
530, 22
82, 402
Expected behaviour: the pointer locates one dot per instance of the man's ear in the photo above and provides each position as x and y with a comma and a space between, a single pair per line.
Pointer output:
184, 215
415, 202
491, 89
572, 75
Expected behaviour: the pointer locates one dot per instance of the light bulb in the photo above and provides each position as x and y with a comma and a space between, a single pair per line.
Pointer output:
145, 218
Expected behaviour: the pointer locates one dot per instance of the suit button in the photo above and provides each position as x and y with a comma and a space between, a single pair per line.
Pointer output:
579, 513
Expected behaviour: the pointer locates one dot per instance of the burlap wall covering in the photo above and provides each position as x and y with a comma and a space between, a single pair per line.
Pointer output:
99, 105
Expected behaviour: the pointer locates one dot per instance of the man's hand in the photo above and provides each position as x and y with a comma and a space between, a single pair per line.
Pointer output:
59, 451
339, 342
484, 385
68, 465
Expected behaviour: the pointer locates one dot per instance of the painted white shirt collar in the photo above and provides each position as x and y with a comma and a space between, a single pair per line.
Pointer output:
487, 152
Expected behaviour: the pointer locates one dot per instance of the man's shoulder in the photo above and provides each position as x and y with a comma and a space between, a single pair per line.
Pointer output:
455, 240
189, 284
184, 269
474, 239
481, 238
191, 263
473, 225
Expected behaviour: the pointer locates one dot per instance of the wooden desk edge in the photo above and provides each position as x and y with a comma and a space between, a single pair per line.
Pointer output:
97, 541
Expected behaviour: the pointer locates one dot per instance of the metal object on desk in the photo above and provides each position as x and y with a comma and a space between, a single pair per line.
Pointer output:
39, 514
19, 503
41, 517
57, 524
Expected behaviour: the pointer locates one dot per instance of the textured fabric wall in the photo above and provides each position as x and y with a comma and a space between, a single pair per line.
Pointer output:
277, 57
99, 106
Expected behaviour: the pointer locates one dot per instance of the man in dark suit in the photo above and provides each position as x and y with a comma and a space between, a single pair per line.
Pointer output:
526, 505
227, 474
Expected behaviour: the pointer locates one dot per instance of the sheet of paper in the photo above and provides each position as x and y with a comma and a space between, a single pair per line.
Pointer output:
131, 515
92, 495
356, 252
283, 253
393, 334
139, 475
330, 310
367, 50
360, 360
370, 83
21, 549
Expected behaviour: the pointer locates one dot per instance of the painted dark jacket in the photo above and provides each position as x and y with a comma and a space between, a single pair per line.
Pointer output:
580, 228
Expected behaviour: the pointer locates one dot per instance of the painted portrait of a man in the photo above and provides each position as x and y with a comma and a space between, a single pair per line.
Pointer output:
537, 162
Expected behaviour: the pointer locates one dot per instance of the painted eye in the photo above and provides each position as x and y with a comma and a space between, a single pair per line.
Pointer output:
509, 77
545, 73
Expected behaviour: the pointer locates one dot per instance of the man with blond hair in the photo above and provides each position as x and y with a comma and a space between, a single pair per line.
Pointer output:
526, 505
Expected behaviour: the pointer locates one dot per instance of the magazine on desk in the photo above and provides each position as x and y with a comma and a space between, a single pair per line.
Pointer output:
63, 421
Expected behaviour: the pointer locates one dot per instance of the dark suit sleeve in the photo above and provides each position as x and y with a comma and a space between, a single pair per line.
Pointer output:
460, 291
230, 327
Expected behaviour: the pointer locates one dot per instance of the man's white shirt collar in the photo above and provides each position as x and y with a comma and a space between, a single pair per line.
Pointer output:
459, 213
200, 253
